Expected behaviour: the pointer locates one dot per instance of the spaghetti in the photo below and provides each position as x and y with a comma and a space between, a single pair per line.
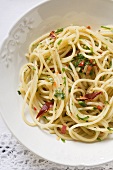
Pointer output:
68, 83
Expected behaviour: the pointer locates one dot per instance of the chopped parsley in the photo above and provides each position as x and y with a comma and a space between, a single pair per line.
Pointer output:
64, 78
80, 56
83, 118
69, 89
45, 117
19, 92
111, 41
86, 47
59, 94
59, 42
96, 43
110, 64
34, 68
94, 108
91, 72
106, 102
91, 49
106, 27
99, 139
63, 70
49, 58
109, 129
103, 77
106, 47
59, 30
63, 140
82, 103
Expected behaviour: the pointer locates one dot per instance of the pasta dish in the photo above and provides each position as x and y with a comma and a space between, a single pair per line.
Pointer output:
67, 83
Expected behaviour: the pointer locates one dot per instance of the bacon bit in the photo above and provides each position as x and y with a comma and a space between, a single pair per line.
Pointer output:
55, 84
52, 34
63, 130
89, 96
99, 107
100, 52
88, 27
35, 108
44, 108
89, 68
81, 64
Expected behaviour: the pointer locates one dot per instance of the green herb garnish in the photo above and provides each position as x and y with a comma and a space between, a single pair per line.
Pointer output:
109, 129
59, 30
91, 72
91, 49
19, 92
63, 69
99, 139
86, 47
106, 47
82, 103
64, 78
94, 108
110, 64
106, 102
106, 27
59, 94
49, 58
103, 77
63, 140
45, 117
83, 118
111, 41
69, 89
96, 44
80, 56
34, 68
59, 42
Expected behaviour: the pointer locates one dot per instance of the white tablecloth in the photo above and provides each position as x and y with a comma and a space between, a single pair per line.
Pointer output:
14, 156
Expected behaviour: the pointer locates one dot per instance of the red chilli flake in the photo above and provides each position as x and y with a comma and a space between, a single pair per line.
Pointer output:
88, 27
99, 107
89, 68
63, 129
35, 108
92, 95
91, 61
52, 34
81, 64
44, 108
89, 96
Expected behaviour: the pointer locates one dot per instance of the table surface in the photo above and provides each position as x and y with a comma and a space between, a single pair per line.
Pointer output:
14, 156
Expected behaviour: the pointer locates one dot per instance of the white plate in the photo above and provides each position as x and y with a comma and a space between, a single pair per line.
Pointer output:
41, 19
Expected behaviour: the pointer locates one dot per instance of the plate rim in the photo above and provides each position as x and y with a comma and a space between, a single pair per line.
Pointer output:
1, 113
